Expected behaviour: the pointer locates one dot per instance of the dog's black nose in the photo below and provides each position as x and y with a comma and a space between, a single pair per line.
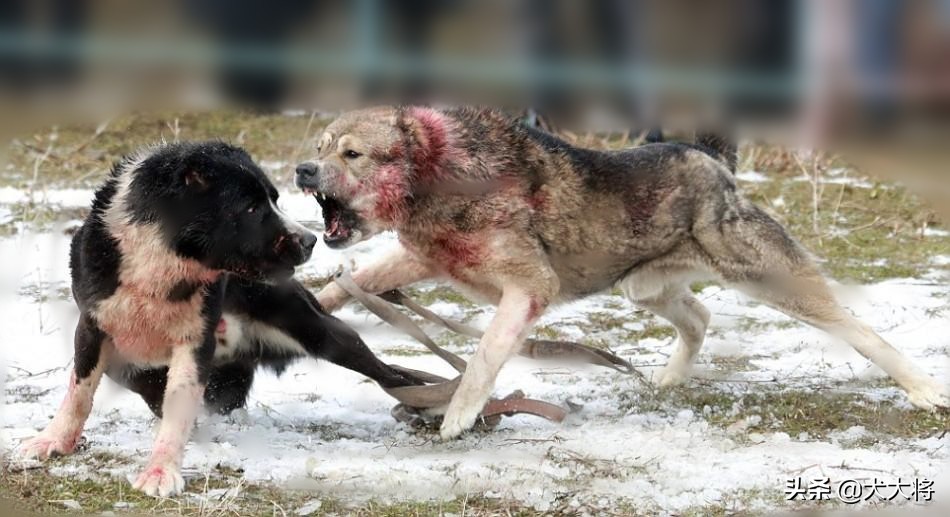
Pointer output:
307, 242
307, 169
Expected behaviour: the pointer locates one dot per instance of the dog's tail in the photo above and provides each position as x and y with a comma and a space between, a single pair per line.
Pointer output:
719, 147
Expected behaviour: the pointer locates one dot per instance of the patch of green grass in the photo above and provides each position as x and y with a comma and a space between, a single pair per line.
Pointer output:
476, 505
106, 459
651, 331
595, 342
817, 412
547, 332
406, 352
736, 363
452, 340
863, 234
77, 155
37, 492
603, 321
439, 293
610, 322
756, 325
698, 287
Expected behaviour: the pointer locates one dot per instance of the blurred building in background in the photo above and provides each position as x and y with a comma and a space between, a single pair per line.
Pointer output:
814, 69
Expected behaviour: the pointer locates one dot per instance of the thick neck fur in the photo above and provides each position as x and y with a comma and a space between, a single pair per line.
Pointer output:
470, 153
148, 264
468, 146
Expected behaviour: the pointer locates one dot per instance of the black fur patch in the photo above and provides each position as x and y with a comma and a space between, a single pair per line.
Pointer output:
295, 311
94, 260
87, 347
211, 313
183, 291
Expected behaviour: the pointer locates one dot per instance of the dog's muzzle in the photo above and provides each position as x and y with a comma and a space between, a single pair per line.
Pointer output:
306, 241
306, 175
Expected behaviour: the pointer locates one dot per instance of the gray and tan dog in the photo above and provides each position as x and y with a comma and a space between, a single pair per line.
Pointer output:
521, 219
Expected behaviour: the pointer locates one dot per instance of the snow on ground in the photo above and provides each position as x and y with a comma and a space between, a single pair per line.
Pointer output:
752, 176
323, 428
838, 176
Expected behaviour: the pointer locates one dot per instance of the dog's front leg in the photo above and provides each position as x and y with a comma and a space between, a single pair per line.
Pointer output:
395, 269
517, 312
188, 372
89, 362
183, 393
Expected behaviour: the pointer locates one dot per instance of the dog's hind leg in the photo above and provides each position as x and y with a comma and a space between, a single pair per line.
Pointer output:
753, 253
227, 390
812, 302
228, 386
149, 383
676, 304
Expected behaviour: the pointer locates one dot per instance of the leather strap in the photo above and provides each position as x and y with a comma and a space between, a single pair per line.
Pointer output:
439, 390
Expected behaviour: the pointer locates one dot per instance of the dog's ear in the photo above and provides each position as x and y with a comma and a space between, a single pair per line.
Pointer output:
426, 134
196, 180
424, 127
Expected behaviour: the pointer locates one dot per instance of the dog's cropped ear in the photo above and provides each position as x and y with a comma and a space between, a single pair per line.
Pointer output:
196, 180
424, 127
426, 134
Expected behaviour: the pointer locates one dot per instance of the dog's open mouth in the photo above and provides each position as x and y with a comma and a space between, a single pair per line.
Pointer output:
340, 222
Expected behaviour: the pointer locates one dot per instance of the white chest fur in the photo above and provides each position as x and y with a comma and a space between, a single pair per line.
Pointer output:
139, 317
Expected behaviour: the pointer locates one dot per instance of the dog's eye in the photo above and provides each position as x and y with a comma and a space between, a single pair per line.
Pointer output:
351, 154
251, 209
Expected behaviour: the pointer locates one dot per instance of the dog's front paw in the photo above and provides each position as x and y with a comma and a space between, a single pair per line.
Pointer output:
160, 480
671, 375
47, 445
457, 421
929, 395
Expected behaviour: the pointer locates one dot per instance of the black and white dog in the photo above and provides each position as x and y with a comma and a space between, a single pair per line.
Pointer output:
182, 276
